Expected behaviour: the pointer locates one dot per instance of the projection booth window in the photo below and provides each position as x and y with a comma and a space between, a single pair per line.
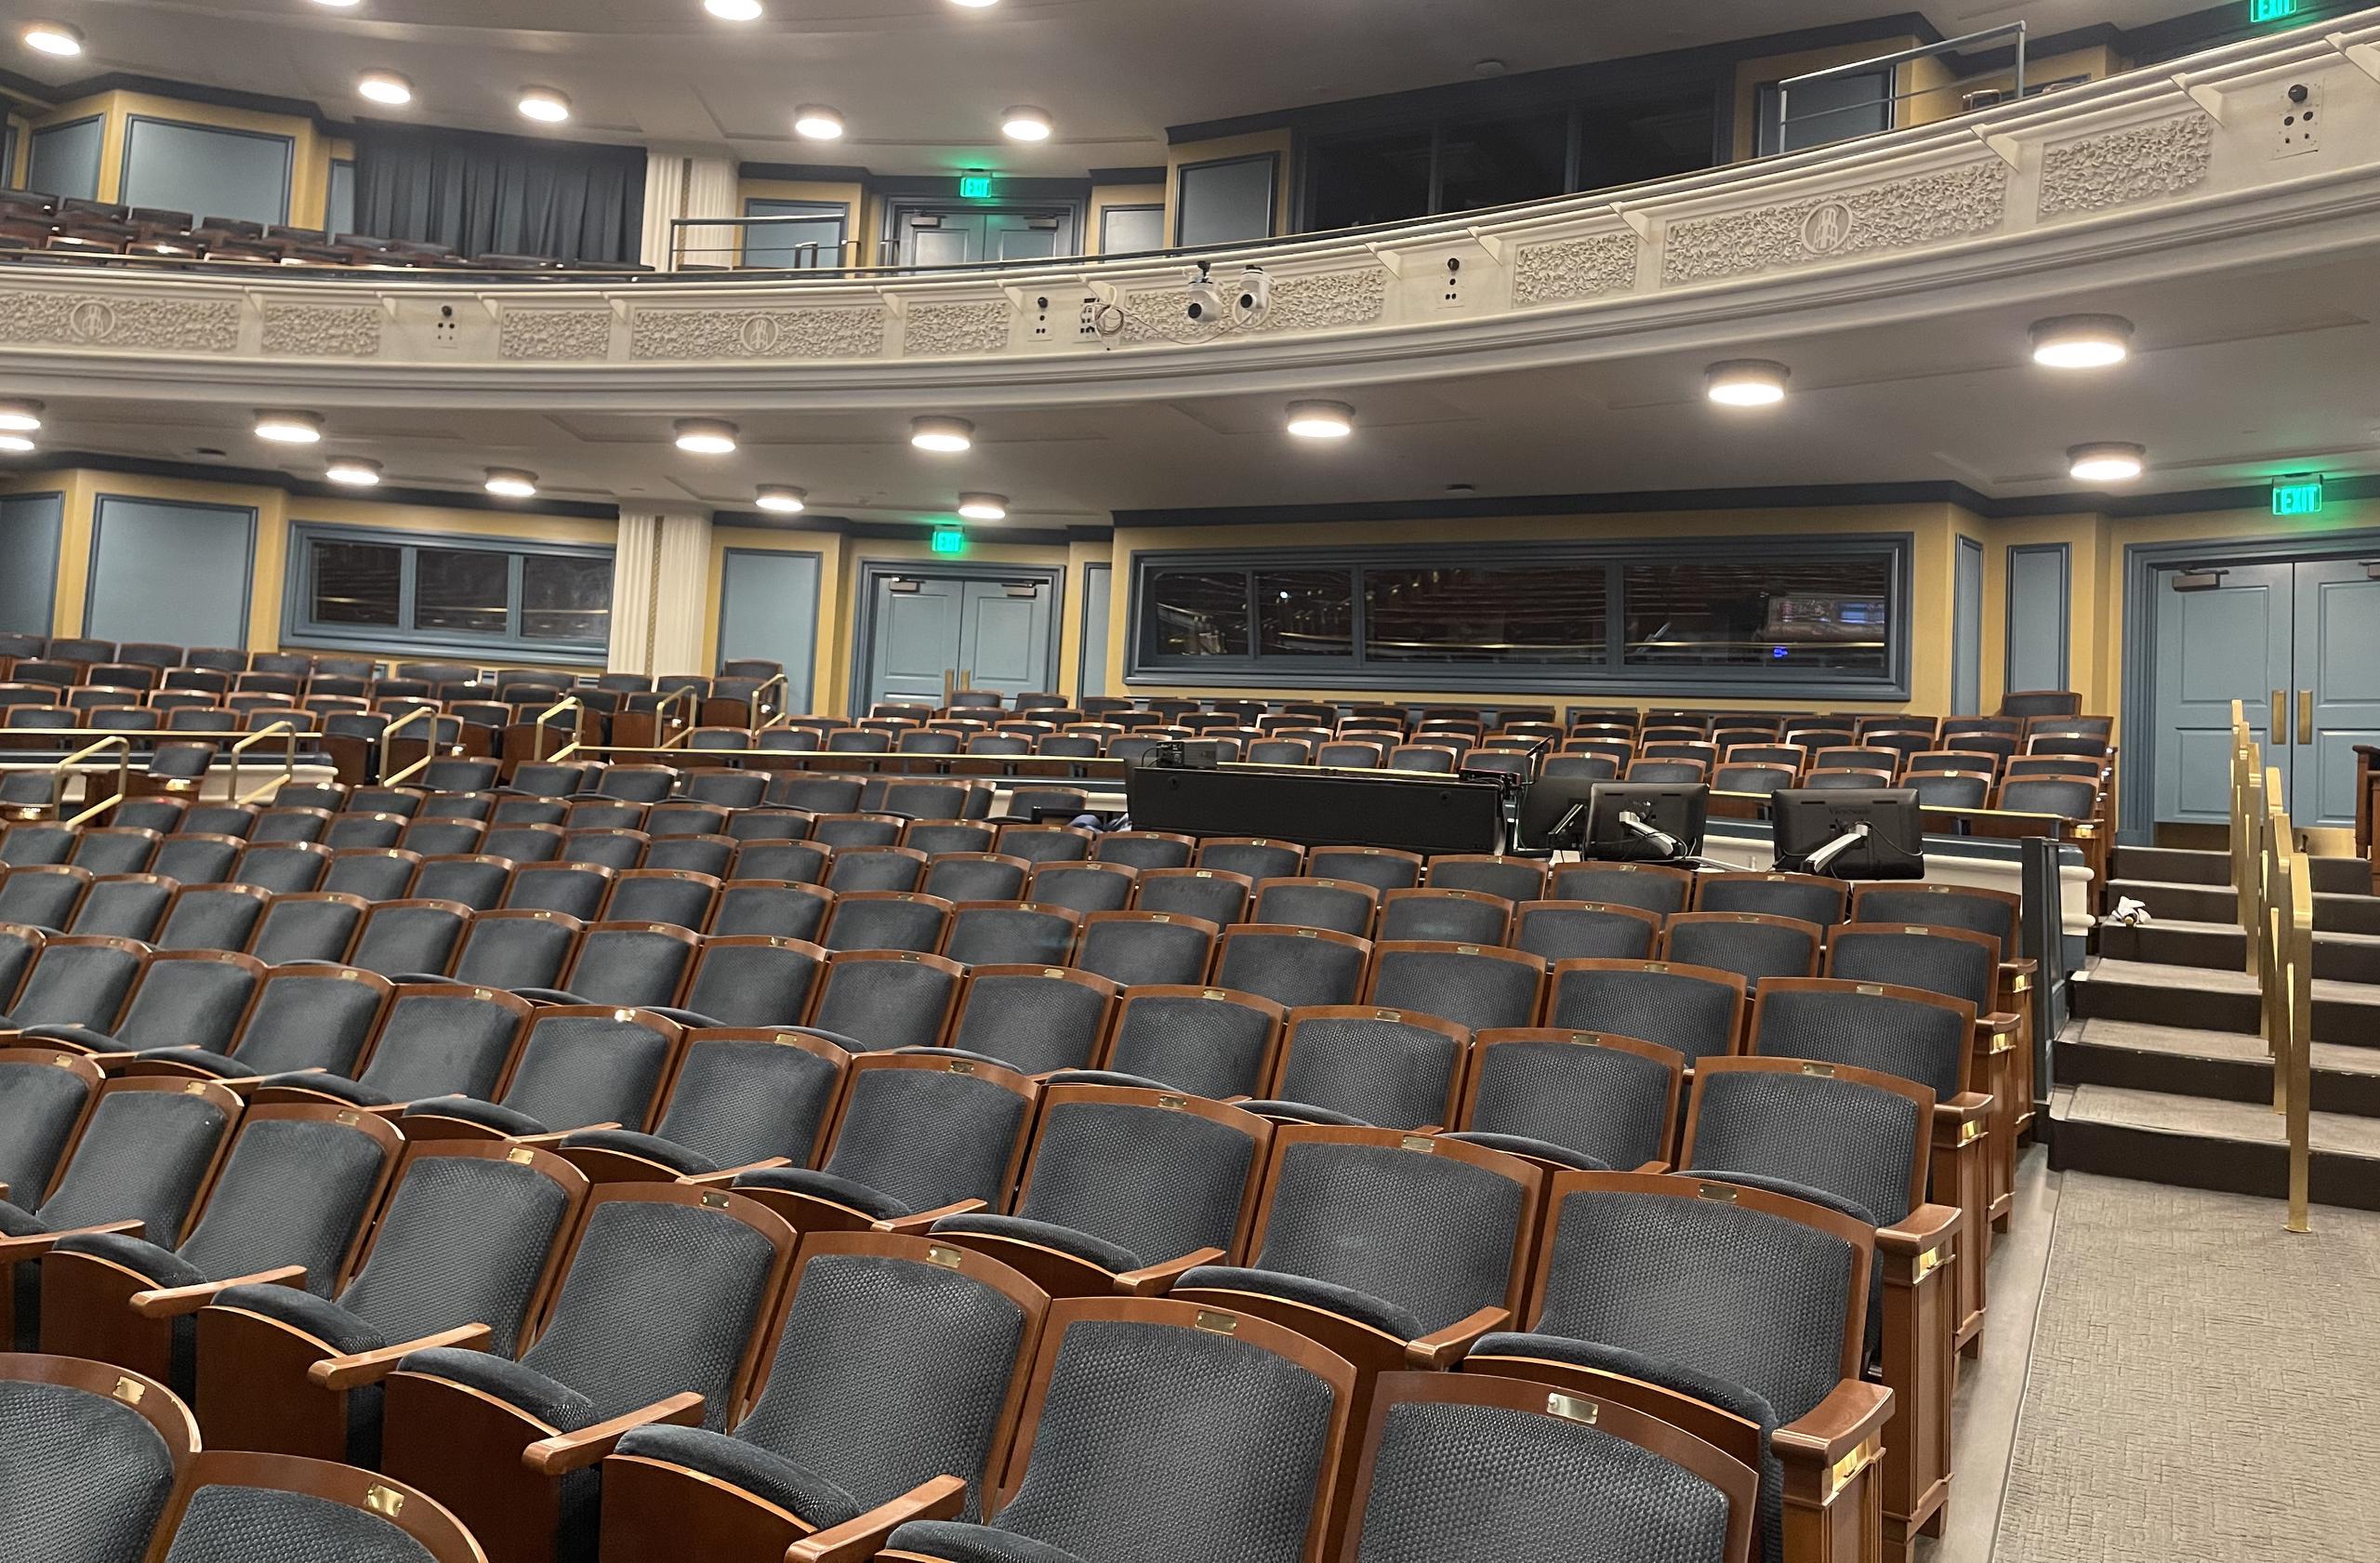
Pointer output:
396, 591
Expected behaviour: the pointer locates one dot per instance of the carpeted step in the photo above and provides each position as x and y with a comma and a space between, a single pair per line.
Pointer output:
2172, 901
2350, 958
2172, 865
2343, 876
2197, 1142
2226, 1065
2215, 999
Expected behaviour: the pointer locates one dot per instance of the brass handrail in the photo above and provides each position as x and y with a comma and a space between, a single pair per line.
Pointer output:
2297, 943
758, 708
122, 745
389, 739
537, 736
288, 762
668, 703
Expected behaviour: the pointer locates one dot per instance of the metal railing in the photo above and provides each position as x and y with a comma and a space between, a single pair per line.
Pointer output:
676, 731
389, 740
2275, 883
759, 702
288, 762
123, 747
1893, 100
538, 754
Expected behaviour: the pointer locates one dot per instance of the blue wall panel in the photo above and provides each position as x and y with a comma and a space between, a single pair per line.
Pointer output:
172, 572
65, 158
1966, 632
206, 172
29, 529
2038, 617
768, 608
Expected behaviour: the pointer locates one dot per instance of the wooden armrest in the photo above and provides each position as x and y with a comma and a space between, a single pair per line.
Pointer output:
35, 1244
1442, 1348
2020, 966
565, 1452
856, 1539
1155, 1280
913, 1225
2000, 1023
1653, 1166
726, 1175
556, 1136
1853, 1412
3, 1191
370, 1367
166, 1302
1968, 1106
1926, 1228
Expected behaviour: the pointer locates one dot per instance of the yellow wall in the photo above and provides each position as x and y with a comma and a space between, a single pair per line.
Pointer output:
1106, 195
310, 162
1231, 145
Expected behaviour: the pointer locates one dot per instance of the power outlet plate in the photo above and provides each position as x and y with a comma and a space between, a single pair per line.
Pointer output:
2300, 129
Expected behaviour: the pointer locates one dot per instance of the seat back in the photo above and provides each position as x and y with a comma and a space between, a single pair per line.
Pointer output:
146, 1154
1210, 1041
1461, 916
1034, 1017
1696, 1010
770, 907
93, 1455
576, 889
743, 1096
755, 980
973, 876
887, 999
1559, 931
441, 1038
1803, 896
930, 1127
1398, 1069
1646, 886
296, 1188
190, 998
1612, 1098
678, 897
1143, 948
1157, 1174
402, 938
1513, 879
1293, 966
1477, 987
1949, 960
79, 980
1256, 856
632, 964
1904, 1031
1748, 943
1212, 895
1860, 1135
1345, 908
44, 1096
1009, 933
583, 1064
886, 920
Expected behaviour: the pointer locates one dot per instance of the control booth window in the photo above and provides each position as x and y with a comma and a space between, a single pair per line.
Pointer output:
1696, 616
398, 591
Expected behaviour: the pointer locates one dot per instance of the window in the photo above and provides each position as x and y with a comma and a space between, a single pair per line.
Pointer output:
1780, 616
1131, 229
1830, 109
206, 171
811, 234
1497, 162
1361, 180
396, 591
1225, 200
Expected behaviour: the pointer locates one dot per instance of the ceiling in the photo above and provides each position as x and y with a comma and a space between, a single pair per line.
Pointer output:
2236, 379
921, 83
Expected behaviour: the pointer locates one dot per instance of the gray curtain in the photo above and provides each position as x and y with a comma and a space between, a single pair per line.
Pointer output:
489, 195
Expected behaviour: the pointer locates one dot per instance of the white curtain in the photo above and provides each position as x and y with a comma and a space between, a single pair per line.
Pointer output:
690, 182
660, 584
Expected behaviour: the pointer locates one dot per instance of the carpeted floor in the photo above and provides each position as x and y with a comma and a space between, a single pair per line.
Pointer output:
2203, 1386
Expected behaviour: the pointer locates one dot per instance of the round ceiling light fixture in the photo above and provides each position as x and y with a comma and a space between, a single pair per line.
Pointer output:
1026, 122
353, 471
1747, 382
984, 507
1321, 420
706, 436
20, 417
733, 10
817, 122
946, 436
339, 4
511, 482
2082, 341
545, 104
288, 428
384, 87
781, 498
16, 444
976, 5
2106, 461
54, 37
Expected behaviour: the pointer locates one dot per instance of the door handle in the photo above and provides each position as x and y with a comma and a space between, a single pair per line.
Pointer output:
2304, 716
2280, 728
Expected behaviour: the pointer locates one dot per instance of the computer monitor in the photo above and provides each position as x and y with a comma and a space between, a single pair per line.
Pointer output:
1644, 822
1553, 814
1853, 833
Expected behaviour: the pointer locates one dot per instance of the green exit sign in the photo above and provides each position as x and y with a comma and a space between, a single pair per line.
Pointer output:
950, 540
978, 187
2297, 496
2271, 11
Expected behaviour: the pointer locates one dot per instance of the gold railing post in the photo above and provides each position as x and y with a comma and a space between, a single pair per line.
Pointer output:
122, 747
289, 761
685, 724
389, 741
2297, 1059
537, 738
759, 698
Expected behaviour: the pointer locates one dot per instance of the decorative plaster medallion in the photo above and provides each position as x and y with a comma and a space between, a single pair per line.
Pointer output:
555, 333
852, 332
160, 324
1926, 208
1575, 269
940, 328
2126, 165
321, 331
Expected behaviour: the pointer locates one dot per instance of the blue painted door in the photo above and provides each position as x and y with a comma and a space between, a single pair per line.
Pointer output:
768, 608
2334, 699
1004, 635
2234, 641
917, 639
994, 632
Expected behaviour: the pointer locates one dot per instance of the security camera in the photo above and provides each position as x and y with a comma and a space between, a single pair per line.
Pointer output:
1207, 304
1253, 298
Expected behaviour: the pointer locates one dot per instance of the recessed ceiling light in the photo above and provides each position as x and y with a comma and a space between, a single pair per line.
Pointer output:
2106, 461
733, 10
289, 429
976, 5
54, 37
984, 507
1321, 420
20, 417
511, 482
384, 87
2082, 341
544, 104
339, 4
706, 436
16, 444
353, 471
947, 435
818, 122
1026, 122
782, 499
1747, 382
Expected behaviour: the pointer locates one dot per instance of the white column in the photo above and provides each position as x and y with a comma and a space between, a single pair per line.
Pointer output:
690, 182
636, 558
685, 592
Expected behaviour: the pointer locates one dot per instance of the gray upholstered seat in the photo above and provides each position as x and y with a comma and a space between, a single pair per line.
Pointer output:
998, 933
1213, 1043
790, 862
885, 920
408, 936
1697, 1015
1342, 907
739, 1100
1583, 930
1083, 887
886, 1003
1259, 860
76, 983
376, 873
39, 1106
1834, 1023
1481, 988
516, 949
976, 876
1031, 1019
579, 1067
1622, 884
474, 881
307, 927
680, 899
1508, 879
186, 1002
575, 890
1374, 1066
1291, 966
1460, 917
1207, 893
1606, 1103
631, 964
755, 980
1141, 948
1382, 870
874, 865
85, 1475
437, 1042
1751, 945
776, 908
1795, 895
1147, 849
924, 1138
43, 896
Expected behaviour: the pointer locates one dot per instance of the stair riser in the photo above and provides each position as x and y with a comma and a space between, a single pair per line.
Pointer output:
2226, 949
2346, 914
2180, 903
2199, 1008
2343, 876
2173, 865
2196, 1161
2225, 1079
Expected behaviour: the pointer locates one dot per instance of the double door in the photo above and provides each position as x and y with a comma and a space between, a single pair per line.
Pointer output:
2298, 645
989, 633
961, 236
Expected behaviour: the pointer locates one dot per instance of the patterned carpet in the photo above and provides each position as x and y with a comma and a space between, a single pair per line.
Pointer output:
2203, 1385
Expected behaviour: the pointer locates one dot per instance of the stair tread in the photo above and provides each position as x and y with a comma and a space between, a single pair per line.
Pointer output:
2214, 979
2231, 1046
2208, 1118
2185, 926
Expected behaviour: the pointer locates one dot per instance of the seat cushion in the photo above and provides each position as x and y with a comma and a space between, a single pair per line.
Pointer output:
471, 1110
974, 1543
1301, 1112
300, 1309
1106, 1077
825, 1185
652, 1148
1345, 1301
525, 1389
330, 1085
792, 1487
1047, 1234
1529, 1144
219, 1064
78, 1035
16, 1222
162, 1265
